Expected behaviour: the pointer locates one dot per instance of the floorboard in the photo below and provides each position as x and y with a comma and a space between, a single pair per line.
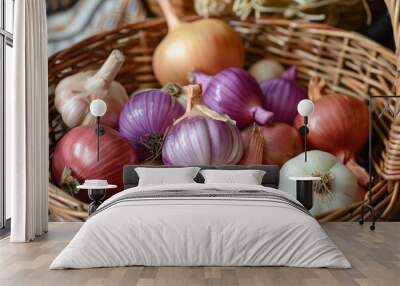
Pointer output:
375, 257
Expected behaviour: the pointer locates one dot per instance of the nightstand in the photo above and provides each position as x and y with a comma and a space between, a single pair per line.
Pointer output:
304, 190
96, 191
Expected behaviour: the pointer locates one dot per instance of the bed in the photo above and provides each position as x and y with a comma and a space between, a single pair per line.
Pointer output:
197, 224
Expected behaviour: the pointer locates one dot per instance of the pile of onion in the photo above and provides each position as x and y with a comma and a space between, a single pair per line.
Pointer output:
74, 94
236, 93
145, 118
76, 155
338, 125
281, 142
202, 136
207, 45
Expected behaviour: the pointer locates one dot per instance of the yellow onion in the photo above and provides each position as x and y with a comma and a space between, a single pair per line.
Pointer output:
206, 45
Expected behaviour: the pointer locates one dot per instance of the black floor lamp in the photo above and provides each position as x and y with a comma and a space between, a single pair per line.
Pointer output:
305, 108
98, 108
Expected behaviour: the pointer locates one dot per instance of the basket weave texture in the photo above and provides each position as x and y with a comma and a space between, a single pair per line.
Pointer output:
349, 63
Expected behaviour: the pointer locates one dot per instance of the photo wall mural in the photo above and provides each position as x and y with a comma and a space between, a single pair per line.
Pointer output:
189, 93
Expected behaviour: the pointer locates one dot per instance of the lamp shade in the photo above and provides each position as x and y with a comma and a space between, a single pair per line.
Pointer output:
305, 107
98, 107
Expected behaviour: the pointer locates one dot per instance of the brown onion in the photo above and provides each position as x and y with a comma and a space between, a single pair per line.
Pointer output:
254, 149
339, 124
282, 142
206, 45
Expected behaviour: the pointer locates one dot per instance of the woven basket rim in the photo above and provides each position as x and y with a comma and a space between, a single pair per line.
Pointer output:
295, 24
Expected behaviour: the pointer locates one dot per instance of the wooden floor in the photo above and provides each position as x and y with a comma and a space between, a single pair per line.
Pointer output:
375, 257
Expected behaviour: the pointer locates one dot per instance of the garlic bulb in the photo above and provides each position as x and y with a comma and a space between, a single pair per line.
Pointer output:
74, 94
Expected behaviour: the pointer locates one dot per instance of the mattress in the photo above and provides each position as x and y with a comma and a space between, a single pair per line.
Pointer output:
201, 225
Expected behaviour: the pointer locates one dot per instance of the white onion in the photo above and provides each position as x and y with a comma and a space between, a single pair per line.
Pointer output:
343, 189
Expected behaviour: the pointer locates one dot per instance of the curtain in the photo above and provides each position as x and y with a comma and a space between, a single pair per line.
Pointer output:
27, 123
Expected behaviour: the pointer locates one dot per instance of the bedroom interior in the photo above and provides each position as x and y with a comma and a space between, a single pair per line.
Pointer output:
204, 142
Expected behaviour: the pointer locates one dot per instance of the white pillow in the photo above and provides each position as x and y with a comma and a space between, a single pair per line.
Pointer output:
166, 176
247, 177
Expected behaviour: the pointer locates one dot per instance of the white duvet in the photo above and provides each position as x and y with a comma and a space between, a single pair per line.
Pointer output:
200, 231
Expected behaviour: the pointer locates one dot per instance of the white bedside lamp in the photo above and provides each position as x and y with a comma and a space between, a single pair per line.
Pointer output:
305, 109
98, 108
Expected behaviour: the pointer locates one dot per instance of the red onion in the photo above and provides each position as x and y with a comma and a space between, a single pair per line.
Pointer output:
339, 123
281, 142
236, 93
202, 137
145, 118
77, 150
282, 95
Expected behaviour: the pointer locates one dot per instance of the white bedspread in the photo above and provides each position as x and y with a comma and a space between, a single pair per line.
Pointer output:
200, 231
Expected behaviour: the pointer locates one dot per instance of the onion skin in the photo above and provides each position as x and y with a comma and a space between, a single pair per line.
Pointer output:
77, 150
207, 45
145, 118
281, 143
254, 147
236, 93
201, 140
338, 125
282, 95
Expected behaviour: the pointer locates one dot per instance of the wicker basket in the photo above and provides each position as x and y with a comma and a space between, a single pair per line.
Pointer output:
345, 14
349, 63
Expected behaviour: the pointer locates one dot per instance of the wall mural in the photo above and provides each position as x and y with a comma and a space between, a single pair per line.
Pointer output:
190, 99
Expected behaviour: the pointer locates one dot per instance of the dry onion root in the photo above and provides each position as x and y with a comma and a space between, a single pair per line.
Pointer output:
323, 188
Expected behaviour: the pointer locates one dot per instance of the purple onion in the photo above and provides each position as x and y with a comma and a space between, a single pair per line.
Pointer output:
282, 95
202, 141
145, 118
236, 93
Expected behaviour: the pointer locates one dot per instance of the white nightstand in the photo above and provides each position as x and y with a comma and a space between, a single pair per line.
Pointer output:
96, 192
304, 190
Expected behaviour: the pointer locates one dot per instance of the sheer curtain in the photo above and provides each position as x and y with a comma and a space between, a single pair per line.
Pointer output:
27, 123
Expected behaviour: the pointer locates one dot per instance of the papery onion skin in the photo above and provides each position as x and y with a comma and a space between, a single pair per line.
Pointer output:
77, 150
202, 141
338, 125
146, 117
281, 143
344, 189
282, 95
236, 93
208, 45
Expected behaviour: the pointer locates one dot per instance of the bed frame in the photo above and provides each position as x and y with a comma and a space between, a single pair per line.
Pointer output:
271, 177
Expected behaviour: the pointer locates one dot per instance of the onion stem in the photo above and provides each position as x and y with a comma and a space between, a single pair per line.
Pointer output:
169, 14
